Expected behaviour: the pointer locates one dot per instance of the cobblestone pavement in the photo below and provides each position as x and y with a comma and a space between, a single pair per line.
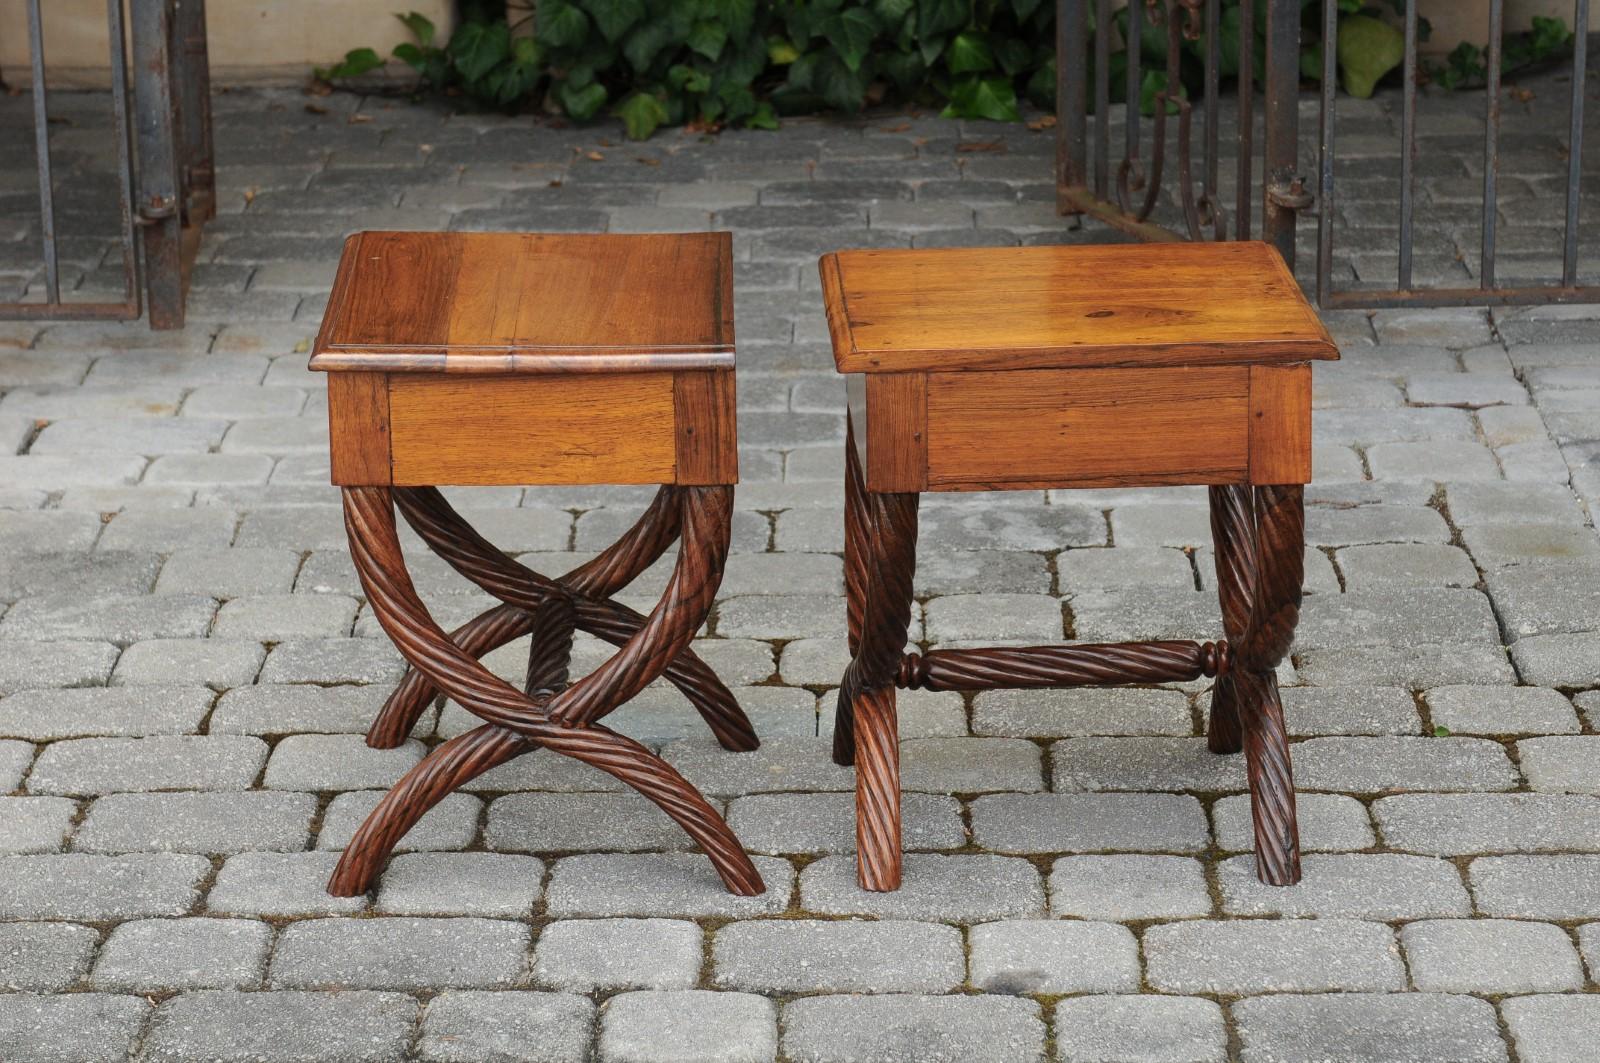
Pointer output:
187, 665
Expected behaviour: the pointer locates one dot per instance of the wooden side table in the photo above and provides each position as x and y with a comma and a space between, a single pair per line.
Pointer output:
1062, 367
506, 358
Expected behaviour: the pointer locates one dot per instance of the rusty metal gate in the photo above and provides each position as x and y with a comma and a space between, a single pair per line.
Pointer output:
164, 170
1129, 197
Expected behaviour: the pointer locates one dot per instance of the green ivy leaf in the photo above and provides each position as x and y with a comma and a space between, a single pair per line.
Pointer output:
935, 17
969, 53
613, 18
738, 16
838, 84
781, 52
478, 47
974, 97
420, 26
1368, 49
641, 114
558, 24
581, 103
356, 62
891, 12
707, 38
1024, 8
763, 118
1013, 54
905, 69
851, 33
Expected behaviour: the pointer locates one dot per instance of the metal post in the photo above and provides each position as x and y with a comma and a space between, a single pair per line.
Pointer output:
193, 85
1284, 189
159, 209
1580, 70
1491, 141
41, 141
1072, 129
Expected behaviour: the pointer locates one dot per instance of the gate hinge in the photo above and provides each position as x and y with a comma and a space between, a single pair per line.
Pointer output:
1290, 196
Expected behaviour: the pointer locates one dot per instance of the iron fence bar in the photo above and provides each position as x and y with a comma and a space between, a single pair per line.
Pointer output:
41, 140
1491, 142
1135, 84
1526, 295
1330, 71
1072, 51
1213, 75
160, 203
1580, 70
193, 87
1282, 84
1102, 97
1408, 145
131, 297
1246, 95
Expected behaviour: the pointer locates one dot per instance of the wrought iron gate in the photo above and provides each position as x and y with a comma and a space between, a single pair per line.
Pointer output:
1128, 197
166, 188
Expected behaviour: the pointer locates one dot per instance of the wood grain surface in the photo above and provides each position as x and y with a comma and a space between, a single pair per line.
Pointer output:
530, 303
964, 309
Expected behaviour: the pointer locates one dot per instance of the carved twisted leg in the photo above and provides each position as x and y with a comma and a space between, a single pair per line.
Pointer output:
867, 691
524, 592
561, 721
1260, 588
857, 547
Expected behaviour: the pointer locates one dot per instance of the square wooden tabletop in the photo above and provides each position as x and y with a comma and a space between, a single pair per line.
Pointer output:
530, 303
1067, 306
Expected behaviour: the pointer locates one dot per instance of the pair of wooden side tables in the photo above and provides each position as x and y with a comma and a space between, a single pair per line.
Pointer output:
502, 358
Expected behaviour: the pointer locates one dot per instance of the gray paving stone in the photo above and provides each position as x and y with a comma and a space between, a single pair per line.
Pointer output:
476, 1026
1553, 1028
1259, 956
956, 889
660, 884
1328, 823
336, 762
1353, 710
215, 662
1013, 527
944, 571
42, 715
1499, 545
39, 531
284, 885
1378, 765
1490, 956
197, 823
825, 823
51, 665
995, 617
451, 824
969, 765
14, 760
780, 764
163, 530
1474, 504
841, 956
44, 957
589, 955
548, 823
1536, 887
1386, 886
1363, 618
1053, 956
278, 618
1411, 664
89, 766
1143, 764
109, 618
1501, 710
1559, 660
228, 573
399, 953
1465, 824
350, 1026
35, 824
1361, 1028
333, 661
655, 1026
1561, 764
1128, 887
1089, 711
1149, 1029
291, 709
99, 888
1388, 565
156, 955
930, 1029
1546, 599
1089, 823
1374, 524
479, 884
69, 1027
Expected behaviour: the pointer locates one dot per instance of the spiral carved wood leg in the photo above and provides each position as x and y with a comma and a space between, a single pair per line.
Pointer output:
1233, 544
857, 543
550, 654
1271, 567
375, 547
523, 591
868, 687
